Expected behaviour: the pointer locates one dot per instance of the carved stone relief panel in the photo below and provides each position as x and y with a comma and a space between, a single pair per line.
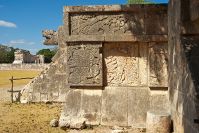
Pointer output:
109, 23
121, 64
158, 59
84, 64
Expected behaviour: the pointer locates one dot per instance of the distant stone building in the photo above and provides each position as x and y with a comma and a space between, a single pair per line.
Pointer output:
39, 59
24, 56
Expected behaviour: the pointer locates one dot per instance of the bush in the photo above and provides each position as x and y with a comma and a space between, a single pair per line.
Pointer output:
139, 2
6, 54
48, 54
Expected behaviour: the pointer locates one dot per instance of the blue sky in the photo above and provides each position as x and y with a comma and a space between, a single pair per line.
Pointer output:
21, 21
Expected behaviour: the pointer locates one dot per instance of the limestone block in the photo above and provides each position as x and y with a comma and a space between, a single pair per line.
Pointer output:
159, 100
62, 92
62, 33
36, 97
84, 65
54, 123
107, 23
158, 122
73, 122
158, 63
25, 94
64, 121
44, 96
77, 123
53, 96
114, 106
114, 8
121, 64
138, 105
36, 85
73, 102
91, 105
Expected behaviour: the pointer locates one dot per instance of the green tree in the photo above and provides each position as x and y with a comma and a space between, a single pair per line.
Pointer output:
6, 54
139, 2
48, 54
11, 55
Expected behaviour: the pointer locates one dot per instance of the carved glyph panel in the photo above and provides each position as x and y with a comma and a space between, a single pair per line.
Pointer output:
109, 23
121, 64
84, 64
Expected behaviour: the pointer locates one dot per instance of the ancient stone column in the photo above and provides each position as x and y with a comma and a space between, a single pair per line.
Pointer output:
158, 122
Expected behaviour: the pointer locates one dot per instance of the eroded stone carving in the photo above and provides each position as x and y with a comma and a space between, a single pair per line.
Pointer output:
85, 64
51, 37
121, 64
117, 23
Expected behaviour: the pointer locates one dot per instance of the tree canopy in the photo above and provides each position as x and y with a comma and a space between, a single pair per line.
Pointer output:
139, 2
48, 54
6, 54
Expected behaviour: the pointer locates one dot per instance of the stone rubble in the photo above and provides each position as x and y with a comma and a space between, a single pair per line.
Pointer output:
54, 123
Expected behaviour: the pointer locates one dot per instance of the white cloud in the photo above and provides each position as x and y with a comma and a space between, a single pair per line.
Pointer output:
19, 42
7, 24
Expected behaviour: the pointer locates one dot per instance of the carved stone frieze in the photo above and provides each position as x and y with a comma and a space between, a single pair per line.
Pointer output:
98, 24
84, 64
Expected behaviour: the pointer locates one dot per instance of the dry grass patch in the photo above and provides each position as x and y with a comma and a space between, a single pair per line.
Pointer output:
28, 118
35, 118
5, 75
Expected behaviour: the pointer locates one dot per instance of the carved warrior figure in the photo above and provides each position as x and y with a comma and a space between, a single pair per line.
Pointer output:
51, 37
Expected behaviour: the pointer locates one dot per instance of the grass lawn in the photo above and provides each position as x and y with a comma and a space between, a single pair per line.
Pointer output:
5, 75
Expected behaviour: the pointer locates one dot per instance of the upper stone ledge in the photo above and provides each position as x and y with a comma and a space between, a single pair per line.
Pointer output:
117, 38
115, 8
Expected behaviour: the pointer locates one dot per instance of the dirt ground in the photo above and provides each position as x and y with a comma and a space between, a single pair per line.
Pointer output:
28, 118
35, 118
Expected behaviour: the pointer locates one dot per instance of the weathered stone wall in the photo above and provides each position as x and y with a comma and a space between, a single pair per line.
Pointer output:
111, 65
52, 83
39, 67
131, 86
183, 64
125, 67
